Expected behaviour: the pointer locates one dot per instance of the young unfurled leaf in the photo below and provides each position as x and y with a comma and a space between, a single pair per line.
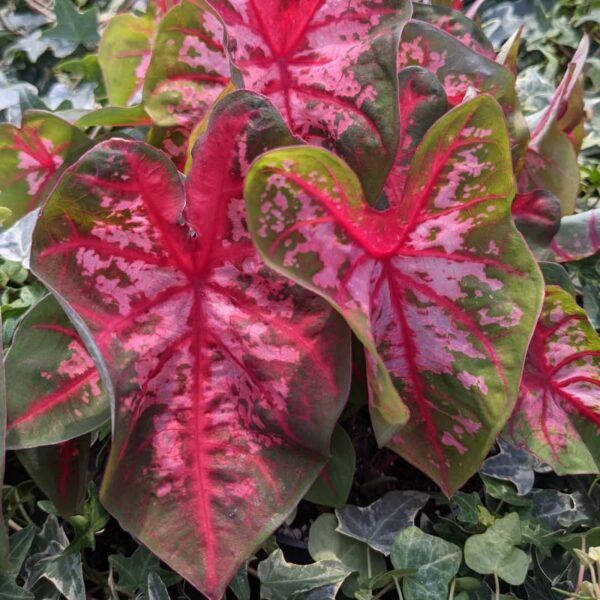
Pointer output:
558, 412
228, 379
61, 472
328, 67
496, 552
578, 237
436, 560
379, 523
188, 69
124, 56
335, 480
55, 392
281, 580
31, 155
556, 137
441, 289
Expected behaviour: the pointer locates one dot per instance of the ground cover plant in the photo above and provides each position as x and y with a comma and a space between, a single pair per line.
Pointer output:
299, 300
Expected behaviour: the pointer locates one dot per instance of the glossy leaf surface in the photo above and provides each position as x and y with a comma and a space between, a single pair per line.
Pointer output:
441, 289
189, 68
578, 237
61, 472
30, 156
54, 388
228, 379
558, 413
328, 67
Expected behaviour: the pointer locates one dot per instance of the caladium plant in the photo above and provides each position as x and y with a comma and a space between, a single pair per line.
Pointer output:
380, 144
207, 350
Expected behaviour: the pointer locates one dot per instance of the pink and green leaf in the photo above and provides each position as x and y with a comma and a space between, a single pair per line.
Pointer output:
173, 141
31, 156
54, 388
449, 19
537, 217
422, 102
189, 67
441, 289
557, 416
578, 237
329, 68
228, 379
460, 69
61, 472
124, 55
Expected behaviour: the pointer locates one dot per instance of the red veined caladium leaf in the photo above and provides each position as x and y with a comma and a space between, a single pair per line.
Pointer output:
578, 237
228, 378
61, 472
557, 416
537, 217
556, 137
30, 157
456, 24
173, 141
422, 102
161, 7
459, 68
189, 67
329, 67
54, 388
441, 289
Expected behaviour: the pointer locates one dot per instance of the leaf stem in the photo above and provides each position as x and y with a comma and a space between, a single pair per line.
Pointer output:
369, 568
397, 584
497, 583
452, 588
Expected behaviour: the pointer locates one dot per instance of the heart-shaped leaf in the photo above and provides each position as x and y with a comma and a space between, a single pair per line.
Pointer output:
495, 551
328, 66
455, 23
228, 379
436, 560
189, 68
441, 288
578, 237
379, 523
558, 412
31, 155
61, 472
459, 68
54, 388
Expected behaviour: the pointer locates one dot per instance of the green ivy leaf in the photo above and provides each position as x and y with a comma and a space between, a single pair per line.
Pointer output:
379, 523
86, 526
285, 581
496, 552
239, 585
156, 588
436, 560
73, 28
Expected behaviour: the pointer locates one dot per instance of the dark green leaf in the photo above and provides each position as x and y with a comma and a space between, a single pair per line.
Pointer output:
73, 28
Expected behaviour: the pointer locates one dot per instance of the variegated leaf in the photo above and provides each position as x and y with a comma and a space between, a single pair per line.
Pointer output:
455, 23
124, 56
556, 137
578, 237
173, 141
31, 155
61, 472
54, 389
537, 217
422, 102
328, 66
189, 68
441, 288
228, 379
459, 69
558, 413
